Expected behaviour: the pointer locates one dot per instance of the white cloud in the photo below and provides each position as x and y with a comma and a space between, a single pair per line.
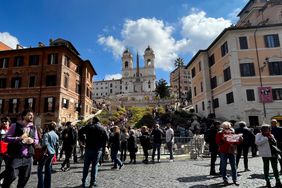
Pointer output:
8, 39
113, 76
202, 30
138, 34
197, 30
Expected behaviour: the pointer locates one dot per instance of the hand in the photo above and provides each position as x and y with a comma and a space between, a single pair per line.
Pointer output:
28, 140
24, 136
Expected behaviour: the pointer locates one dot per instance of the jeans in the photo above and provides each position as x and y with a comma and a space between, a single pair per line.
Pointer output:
68, 153
231, 157
156, 146
213, 160
169, 148
123, 148
17, 167
274, 162
117, 161
46, 182
91, 156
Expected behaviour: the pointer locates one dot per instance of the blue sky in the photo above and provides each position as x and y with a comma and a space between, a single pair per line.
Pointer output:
100, 30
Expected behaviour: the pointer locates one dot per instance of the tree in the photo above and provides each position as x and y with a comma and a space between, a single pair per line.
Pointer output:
162, 89
178, 63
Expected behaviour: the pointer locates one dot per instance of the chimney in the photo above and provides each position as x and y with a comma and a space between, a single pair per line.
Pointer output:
40, 44
19, 47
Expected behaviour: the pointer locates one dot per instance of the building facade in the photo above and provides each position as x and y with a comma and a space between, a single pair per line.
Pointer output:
238, 77
134, 80
180, 81
51, 80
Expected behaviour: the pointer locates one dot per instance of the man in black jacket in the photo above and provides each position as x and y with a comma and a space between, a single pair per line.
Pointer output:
157, 134
248, 141
213, 147
277, 133
95, 138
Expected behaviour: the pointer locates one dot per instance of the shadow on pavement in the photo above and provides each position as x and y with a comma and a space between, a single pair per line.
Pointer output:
256, 176
195, 178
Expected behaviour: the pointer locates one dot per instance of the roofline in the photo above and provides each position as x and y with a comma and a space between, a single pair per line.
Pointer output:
226, 30
245, 7
91, 66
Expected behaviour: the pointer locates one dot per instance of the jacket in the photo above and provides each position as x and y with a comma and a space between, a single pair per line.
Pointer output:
263, 145
225, 146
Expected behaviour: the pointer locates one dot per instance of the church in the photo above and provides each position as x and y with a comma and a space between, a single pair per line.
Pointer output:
135, 80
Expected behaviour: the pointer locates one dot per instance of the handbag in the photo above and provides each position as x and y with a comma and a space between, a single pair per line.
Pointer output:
39, 153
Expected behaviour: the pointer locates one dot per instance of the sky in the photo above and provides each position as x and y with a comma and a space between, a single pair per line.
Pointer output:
102, 30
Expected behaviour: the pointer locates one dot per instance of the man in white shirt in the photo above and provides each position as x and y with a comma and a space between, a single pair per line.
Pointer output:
169, 137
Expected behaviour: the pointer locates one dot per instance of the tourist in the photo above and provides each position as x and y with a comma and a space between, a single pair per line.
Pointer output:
248, 141
157, 134
276, 131
114, 143
123, 143
145, 141
169, 137
20, 138
266, 145
132, 146
50, 141
69, 138
95, 139
227, 148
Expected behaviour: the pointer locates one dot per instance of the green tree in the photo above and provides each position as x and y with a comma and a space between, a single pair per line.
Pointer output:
179, 63
162, 89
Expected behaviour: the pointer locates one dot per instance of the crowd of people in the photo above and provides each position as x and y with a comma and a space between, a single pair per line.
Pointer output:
21, 142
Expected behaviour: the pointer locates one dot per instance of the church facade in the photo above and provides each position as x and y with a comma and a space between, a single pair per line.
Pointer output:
135, 80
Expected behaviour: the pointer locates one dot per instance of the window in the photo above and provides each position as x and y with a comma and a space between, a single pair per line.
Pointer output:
247, 69
275, 68
149, 84
13, 106
3, 82
250, 95
227, 74
193, 72
213, 82
51, 80
29, 103
4, 63
211, 60
202, 89
243, 43
77, 87
111, 90
195, 91
65, 103
229, 98
203, 106
16, 82
277, 94
34, 60
111, 85
49, 104
200, 67
271, 41
52, 59
215, 103
67, 61
18, 61
196, 106
66, 81
224, 49
31, 81
126, 64
2, 106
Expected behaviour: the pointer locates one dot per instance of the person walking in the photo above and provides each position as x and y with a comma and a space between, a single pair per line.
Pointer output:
114, 143
50, 142
227, 150
157, 134
210, 138
95, 139
248, 141
20, 138
266, 145
169, 137
69, 138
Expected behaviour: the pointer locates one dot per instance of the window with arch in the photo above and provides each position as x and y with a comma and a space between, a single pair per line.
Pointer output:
126, 64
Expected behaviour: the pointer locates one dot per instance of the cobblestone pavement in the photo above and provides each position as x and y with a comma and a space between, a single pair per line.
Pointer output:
180, 173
